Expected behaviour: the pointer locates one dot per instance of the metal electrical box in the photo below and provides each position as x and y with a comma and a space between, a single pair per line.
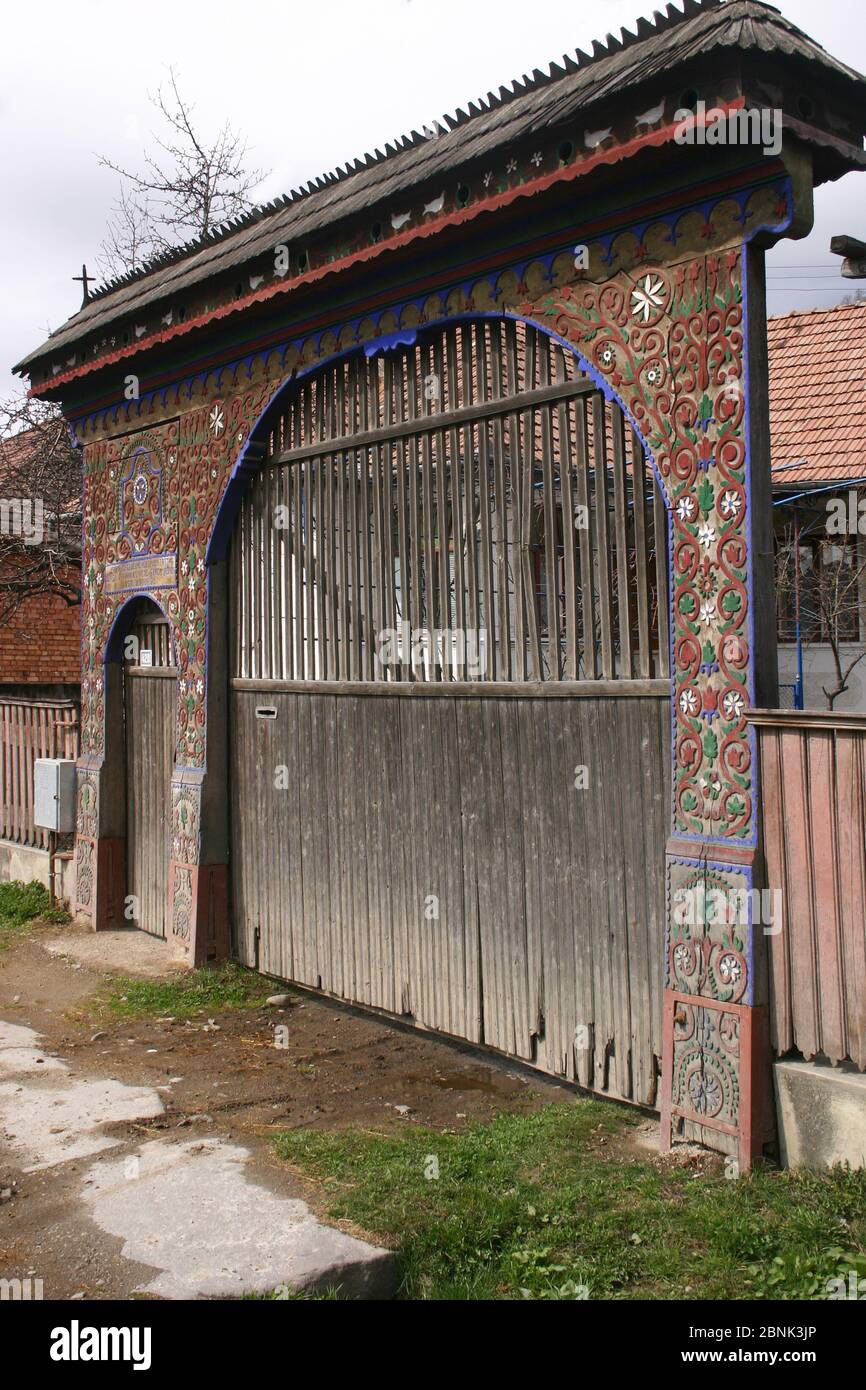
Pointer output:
54, 793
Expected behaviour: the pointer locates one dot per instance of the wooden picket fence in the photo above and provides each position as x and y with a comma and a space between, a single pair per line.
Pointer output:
30, 729
813, 775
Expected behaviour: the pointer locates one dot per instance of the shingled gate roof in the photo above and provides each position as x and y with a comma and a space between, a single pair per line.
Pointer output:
539, 102
818, 395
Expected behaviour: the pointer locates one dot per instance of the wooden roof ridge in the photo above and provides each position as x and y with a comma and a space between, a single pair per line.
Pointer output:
645, 29
486, 129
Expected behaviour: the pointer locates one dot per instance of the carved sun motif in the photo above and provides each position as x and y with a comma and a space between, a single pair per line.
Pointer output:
216, 420
648, 298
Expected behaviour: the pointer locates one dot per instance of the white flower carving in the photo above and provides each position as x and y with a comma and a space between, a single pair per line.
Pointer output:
686, 508
217, 421
689, 702
733, 704
731, 503
707, 535
708, 613
647, 297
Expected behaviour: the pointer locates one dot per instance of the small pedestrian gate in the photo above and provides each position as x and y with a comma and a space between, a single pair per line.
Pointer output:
448, 628
150, 695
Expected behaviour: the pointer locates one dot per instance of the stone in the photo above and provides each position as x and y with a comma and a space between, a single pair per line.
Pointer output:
193, 1215
821, 1113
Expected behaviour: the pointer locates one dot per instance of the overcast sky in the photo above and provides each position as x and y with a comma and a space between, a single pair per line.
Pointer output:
310, 85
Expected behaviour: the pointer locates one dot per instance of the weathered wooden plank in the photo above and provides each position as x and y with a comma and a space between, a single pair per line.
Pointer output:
511, 690
587, 583
601, 510
621, 528
851, 822
638, 492
772, 781
805, 998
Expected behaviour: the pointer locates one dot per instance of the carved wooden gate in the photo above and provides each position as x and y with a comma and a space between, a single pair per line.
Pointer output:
150, 696
450, 705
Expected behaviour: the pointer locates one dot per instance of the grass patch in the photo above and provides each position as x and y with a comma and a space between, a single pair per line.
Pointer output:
22, 904
533, 1207
184, 995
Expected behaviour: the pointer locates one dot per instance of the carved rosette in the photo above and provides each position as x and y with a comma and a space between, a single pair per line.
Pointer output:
705, 1080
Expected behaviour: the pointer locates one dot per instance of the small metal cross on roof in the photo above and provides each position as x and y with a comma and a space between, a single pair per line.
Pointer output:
85, 281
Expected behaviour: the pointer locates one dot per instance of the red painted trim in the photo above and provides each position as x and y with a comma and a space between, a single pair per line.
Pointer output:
612, 156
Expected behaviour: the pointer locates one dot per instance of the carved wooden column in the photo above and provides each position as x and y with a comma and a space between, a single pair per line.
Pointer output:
678, 336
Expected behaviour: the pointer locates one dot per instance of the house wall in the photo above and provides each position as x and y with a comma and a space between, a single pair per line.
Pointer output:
41, 643
818, 672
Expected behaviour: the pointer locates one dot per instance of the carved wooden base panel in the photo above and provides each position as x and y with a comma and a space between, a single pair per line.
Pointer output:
199, 912
714, 1064
100, 878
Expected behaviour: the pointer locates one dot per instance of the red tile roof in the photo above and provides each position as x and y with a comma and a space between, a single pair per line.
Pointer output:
818, 395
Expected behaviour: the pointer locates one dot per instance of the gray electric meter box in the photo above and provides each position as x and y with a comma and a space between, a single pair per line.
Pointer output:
54, 793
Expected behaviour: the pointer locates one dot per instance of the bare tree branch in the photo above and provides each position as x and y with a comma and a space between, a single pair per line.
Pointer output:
185, 191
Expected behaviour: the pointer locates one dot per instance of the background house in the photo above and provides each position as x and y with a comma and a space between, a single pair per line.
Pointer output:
40, 632
818, 431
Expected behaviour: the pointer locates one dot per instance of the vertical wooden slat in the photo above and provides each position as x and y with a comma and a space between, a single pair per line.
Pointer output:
386, 466
638, 484
473, 610
773, 799
587, 534
620, 507
431, 616
297, 555
660, 538
601, 496
551, 584
415, 616
458, 500
515, 441
826, 899
851, 829
404, 458
526, 513
319, 541
805, 998
366, 461
486, 566
569, 538
503, 618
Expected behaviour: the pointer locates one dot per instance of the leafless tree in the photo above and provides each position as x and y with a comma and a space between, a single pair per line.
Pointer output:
40, 505
186, 190
830, 585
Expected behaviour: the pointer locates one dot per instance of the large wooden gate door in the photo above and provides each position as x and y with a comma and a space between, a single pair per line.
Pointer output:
450, 702
150, 697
